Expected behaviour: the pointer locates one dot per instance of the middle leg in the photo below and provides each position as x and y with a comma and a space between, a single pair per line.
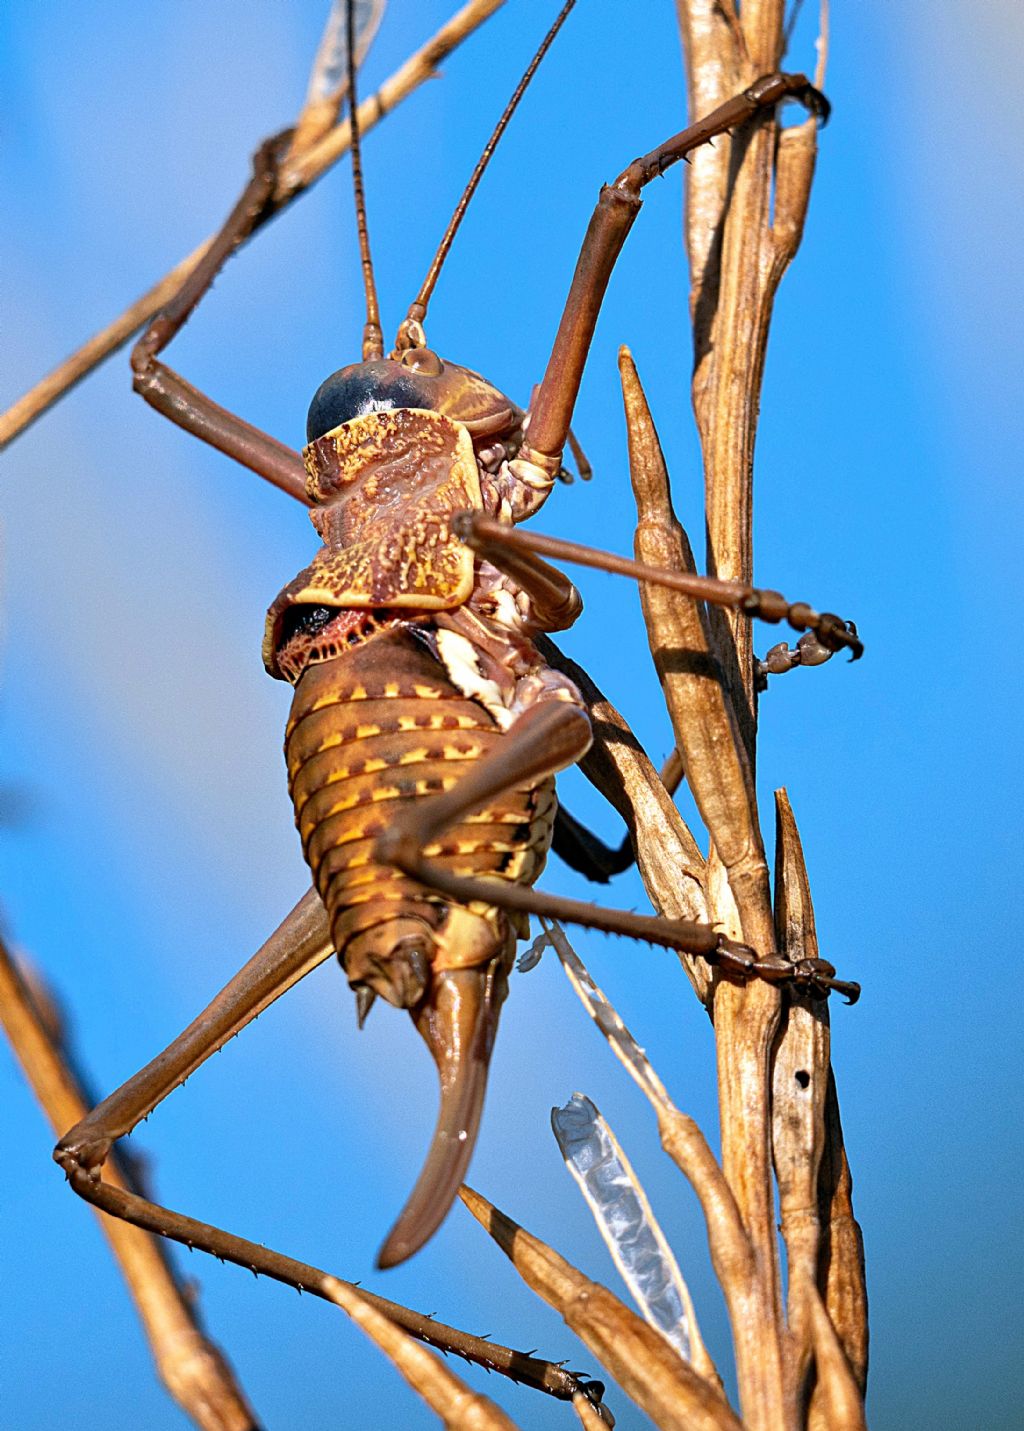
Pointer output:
505, 547
546, 738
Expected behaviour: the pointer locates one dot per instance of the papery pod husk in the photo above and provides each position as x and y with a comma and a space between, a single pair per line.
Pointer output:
640, 1359
706, 731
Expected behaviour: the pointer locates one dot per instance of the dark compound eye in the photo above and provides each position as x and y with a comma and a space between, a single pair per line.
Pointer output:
366, 387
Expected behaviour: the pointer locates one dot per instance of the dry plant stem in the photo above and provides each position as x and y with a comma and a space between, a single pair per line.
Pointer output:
192, 1368
839, 1403
590, 1418
715, 756
297, 176
639, 1358
841, 1267
458, 1407
319, 113
667, 855
418, 68
738, 252
736, 263
800, 1076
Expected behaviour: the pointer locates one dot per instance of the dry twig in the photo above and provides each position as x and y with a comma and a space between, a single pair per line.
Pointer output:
303, 170
192, 1368
738, 252
841, 1262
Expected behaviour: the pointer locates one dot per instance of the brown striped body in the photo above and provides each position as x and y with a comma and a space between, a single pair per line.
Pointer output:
371, 729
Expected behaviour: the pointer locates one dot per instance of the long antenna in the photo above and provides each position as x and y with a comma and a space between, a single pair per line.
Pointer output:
373, 337
410, 334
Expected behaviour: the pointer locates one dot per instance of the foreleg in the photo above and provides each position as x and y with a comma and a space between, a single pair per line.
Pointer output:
169, 393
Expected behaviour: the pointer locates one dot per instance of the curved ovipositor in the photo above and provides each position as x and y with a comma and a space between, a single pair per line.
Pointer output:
458, 1021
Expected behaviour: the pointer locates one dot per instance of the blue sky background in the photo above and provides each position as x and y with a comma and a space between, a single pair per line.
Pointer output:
151, 846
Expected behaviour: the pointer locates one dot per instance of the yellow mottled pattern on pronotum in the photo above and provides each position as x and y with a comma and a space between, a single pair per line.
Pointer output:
386, 486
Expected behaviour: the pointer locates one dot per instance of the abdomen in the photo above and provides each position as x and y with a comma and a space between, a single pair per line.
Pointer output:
370, 730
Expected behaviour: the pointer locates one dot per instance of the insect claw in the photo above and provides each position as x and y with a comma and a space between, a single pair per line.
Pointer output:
836, 633
594, 1391
816, 102
848, 988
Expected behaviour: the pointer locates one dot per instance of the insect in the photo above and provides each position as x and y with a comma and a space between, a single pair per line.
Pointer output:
311, 935
418, 687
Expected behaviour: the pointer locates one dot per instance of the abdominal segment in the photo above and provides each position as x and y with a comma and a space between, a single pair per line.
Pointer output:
370, 730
